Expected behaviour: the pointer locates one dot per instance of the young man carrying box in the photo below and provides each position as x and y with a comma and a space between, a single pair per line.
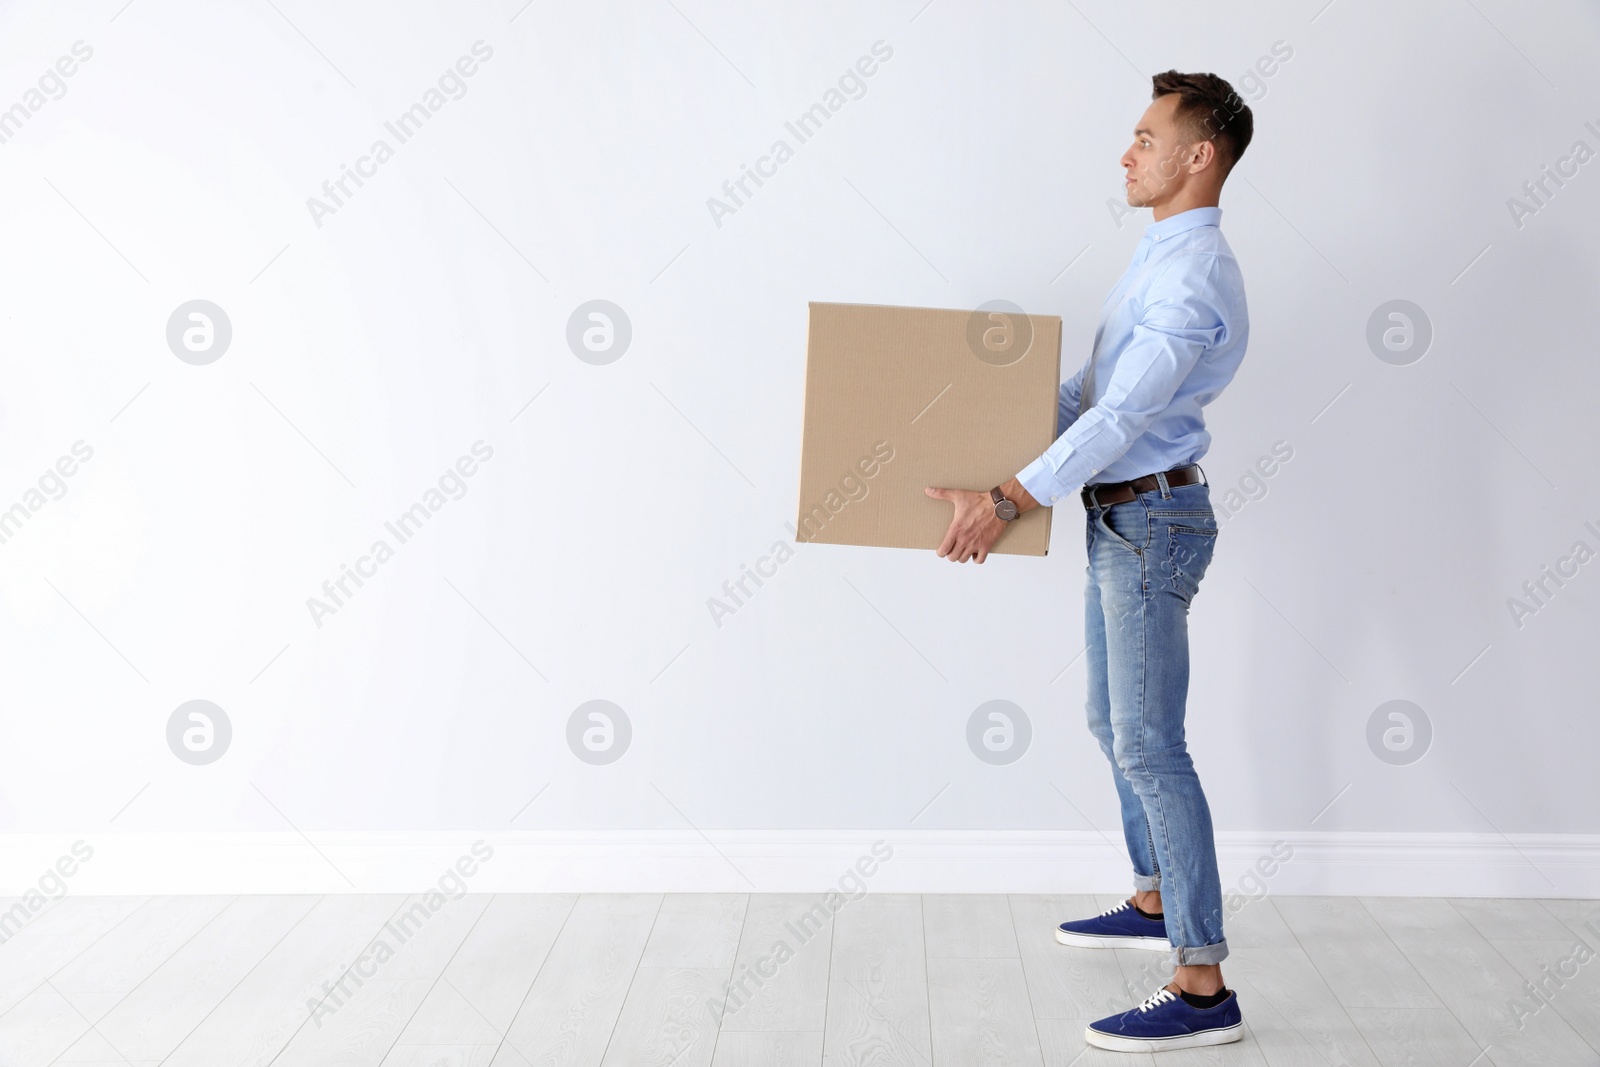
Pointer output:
1172, 334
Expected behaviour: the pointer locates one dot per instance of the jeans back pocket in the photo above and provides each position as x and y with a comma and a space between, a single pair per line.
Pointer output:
1190, 545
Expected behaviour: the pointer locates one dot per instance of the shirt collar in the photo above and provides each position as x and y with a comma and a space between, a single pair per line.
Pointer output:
1183, 220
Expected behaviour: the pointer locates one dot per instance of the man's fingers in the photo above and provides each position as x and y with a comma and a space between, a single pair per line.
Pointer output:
959, 544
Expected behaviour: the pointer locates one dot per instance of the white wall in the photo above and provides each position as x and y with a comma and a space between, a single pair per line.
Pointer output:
373, 346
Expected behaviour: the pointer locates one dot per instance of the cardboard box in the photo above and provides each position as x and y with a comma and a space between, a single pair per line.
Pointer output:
900, 398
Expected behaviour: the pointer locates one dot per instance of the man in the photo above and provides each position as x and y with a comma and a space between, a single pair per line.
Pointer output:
1172, 334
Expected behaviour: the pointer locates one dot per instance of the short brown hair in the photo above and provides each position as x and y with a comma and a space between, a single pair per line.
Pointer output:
1209, 110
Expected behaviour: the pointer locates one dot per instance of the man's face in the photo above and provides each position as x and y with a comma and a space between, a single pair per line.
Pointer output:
1157, 164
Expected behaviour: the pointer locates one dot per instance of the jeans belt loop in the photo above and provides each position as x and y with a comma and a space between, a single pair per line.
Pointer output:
1161, 480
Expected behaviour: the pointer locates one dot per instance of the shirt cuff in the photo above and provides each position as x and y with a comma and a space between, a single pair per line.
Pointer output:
1040, 482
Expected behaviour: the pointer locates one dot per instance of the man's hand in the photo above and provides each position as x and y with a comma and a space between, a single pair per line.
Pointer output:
975, 527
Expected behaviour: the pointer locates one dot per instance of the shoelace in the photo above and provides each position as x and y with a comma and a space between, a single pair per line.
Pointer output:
1119, 907
1160, 996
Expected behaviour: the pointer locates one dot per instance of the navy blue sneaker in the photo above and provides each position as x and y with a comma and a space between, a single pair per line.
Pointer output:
1167, 1021
1118, 927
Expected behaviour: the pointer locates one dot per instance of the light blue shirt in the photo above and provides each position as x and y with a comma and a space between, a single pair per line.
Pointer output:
1171, 335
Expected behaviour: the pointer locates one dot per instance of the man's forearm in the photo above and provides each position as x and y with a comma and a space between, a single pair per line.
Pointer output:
1019, 496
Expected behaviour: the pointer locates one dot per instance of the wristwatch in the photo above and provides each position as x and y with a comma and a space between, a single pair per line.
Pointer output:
1004, 509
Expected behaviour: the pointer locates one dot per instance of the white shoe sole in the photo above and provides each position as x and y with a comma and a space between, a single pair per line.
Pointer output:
1220, 1036
1155, 944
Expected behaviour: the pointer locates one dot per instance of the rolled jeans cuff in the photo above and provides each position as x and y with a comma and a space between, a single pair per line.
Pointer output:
1199, 954
1147, 883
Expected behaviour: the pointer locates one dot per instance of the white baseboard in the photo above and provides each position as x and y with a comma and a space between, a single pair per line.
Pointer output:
774, 861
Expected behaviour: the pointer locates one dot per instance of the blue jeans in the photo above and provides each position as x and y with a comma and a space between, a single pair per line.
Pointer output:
1146, 558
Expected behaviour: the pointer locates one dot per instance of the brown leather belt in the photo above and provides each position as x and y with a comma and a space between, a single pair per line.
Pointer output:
1108, 493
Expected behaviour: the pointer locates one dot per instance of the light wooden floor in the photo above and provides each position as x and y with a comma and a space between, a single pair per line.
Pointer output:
892, 979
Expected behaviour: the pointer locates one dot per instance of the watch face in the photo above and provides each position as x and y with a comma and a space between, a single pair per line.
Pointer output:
1006, 510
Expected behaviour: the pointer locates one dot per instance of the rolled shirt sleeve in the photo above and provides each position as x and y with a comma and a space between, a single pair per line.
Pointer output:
1183, 319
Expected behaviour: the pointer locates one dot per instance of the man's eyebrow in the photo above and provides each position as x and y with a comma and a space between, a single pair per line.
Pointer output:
1144, 131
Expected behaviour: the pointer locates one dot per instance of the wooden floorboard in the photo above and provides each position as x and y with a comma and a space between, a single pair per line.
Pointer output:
780, 975
572, 1008
878, 985
775, 980
1356, 958
1475, 983
1066, 984
152, 1020
361, 1023
484, 985
54, 937
255, 1020
981, 1013
102, 975
967, 925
